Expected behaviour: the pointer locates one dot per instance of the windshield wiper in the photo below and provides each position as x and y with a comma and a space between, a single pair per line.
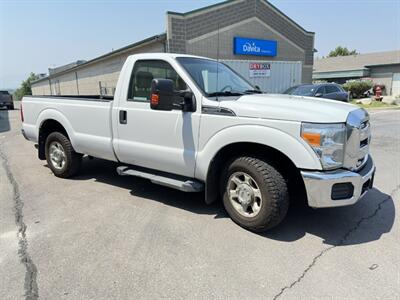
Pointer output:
253, 92
225, 93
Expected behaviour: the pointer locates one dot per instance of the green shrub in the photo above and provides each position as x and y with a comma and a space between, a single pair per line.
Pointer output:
357, 87
25, 88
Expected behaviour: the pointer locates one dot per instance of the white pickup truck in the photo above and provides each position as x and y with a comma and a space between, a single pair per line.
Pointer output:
193, 124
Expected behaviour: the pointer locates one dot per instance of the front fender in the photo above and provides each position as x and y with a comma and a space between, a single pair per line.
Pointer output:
297, 150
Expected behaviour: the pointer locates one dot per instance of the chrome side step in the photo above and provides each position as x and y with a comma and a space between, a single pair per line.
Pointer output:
169, 180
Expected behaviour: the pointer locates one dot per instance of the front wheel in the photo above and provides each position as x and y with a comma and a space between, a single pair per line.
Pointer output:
255, 194
60, 156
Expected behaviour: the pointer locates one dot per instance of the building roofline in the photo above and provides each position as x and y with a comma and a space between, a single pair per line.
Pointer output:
158, 37
358, 54
289, 19
199, 9
348, 70
382, 65
230, 1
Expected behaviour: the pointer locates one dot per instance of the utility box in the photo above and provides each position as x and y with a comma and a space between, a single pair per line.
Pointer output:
270, 76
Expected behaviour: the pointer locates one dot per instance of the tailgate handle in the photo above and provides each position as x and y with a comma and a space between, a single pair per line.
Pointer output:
123, 117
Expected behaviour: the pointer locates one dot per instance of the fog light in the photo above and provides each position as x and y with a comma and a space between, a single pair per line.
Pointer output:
342, 191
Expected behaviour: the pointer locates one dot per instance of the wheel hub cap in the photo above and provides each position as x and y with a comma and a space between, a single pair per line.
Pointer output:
244, 194
57, 155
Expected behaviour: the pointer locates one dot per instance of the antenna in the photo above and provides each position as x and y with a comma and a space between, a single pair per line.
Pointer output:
217, 58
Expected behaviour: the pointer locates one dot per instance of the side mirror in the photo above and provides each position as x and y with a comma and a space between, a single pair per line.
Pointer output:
318, 95
162, 94
257, 88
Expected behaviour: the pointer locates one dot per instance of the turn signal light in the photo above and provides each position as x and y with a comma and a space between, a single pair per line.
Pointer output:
155, 98
313, 139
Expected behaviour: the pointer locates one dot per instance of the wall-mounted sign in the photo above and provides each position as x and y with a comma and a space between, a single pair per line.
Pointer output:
249, 46
259, 70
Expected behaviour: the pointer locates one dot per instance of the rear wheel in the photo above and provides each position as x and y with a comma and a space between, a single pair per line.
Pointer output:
60, 156
11, 107
255, 194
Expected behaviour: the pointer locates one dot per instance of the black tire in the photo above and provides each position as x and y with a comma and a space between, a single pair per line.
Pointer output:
72, 159
275, 197
11, 107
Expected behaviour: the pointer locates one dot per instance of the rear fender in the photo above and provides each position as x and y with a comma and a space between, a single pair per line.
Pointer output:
53, 114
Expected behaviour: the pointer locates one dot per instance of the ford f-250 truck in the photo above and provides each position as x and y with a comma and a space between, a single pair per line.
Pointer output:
193, 124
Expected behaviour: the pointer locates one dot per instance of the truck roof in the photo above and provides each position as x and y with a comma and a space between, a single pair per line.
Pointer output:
167, 55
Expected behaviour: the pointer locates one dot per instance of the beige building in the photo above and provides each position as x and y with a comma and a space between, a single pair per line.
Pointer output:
196, 32
380, 67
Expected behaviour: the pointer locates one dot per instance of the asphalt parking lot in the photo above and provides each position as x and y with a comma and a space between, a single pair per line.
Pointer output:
101, 236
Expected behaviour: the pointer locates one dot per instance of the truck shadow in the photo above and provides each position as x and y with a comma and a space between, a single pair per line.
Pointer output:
4, 120
364, 222
105, 172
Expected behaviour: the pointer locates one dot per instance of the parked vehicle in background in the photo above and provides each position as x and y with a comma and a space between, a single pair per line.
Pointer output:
323, 90
6, 100
193, 124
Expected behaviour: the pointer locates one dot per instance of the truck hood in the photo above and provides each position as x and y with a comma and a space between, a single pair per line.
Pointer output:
290, 108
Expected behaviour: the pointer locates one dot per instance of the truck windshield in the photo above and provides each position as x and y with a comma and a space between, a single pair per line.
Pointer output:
204, 73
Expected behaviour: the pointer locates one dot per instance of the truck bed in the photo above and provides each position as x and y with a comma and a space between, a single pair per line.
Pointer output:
88, 120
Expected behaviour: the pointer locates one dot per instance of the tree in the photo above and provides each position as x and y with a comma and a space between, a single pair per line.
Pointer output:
25, 88
342, 51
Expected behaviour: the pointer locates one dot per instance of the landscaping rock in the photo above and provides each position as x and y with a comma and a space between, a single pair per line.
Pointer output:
389, 99
366, 101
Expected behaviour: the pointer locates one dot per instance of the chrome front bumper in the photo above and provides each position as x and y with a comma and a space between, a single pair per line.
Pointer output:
319, 185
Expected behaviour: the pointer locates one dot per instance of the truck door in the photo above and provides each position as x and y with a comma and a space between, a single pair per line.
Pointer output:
160, 140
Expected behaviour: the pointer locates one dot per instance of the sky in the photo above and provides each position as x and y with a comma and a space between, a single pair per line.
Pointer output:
38, 34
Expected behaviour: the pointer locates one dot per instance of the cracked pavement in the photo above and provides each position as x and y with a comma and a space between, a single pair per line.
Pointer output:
106, 237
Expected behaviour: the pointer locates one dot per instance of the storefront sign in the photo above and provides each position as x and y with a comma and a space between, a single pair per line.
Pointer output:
248, 46
259, 70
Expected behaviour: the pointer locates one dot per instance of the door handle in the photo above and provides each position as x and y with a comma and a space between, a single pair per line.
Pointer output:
123, 117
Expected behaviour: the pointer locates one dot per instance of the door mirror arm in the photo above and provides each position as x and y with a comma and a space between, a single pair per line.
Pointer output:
188, 102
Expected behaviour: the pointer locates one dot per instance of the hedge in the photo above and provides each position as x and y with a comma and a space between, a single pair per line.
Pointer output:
357, 87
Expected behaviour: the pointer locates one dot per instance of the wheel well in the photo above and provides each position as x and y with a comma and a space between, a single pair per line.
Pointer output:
274, 157
47, 127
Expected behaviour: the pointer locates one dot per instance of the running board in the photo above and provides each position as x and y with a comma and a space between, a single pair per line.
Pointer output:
173, 181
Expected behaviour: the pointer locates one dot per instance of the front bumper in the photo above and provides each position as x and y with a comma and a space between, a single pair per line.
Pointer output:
321, 186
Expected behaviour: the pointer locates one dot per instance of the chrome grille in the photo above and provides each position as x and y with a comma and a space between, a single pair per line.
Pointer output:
358, 139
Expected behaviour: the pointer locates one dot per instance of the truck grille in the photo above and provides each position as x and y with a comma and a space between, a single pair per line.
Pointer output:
358, 140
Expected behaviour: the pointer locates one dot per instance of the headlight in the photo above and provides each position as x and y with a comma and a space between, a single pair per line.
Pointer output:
327, 140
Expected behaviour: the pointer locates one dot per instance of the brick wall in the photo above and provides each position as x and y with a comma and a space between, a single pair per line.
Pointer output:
196, 32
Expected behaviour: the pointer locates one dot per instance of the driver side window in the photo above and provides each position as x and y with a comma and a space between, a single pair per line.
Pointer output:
143, 74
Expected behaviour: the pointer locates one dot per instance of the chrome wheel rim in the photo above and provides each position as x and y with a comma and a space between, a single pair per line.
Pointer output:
57, 155
244, 194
